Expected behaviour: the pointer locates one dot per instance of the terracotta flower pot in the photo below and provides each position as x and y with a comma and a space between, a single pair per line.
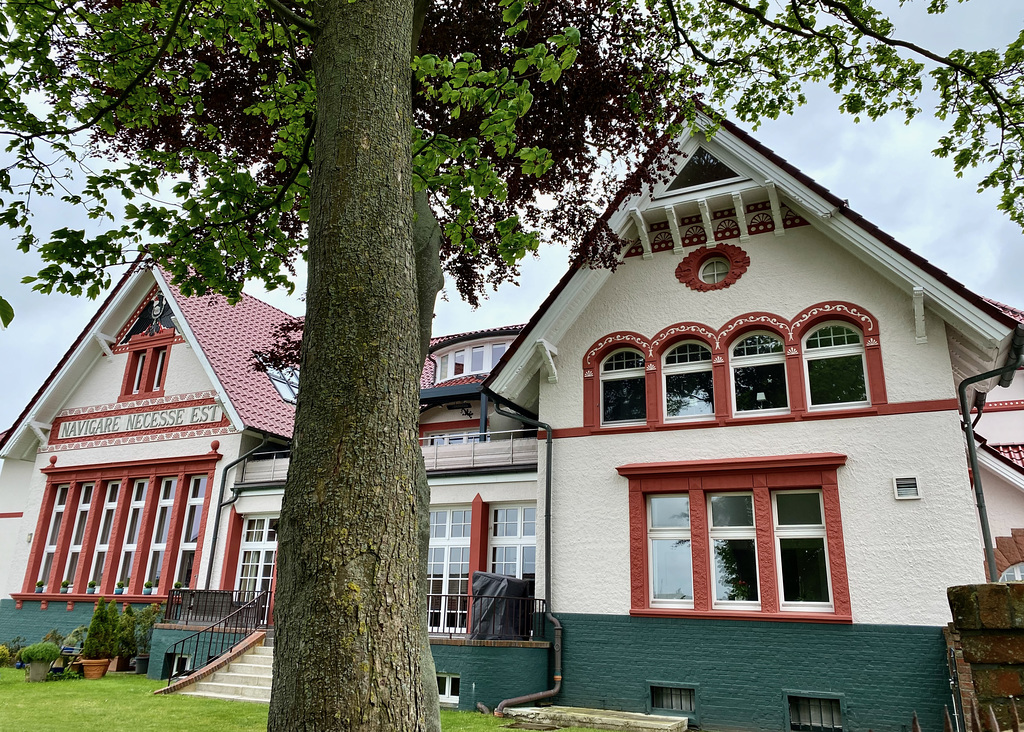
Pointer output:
94, 668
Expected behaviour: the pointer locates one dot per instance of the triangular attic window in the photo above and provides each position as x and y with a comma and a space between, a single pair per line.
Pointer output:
702, 168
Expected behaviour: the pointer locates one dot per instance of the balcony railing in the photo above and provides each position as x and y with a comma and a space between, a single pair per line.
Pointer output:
485, 617
466, 451
202, 607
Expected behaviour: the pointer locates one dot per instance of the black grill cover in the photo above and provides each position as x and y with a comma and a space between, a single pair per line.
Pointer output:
499, 610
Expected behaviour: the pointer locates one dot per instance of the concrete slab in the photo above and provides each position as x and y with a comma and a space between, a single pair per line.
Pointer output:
597, 718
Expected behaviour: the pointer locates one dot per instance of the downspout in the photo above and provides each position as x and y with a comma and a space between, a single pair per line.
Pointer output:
499, 711
220, 506
1014, 360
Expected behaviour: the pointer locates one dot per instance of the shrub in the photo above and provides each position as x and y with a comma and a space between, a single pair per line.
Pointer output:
126, 629
76, 637
5, 656
41, 653
100, 640
54, 636
146, 619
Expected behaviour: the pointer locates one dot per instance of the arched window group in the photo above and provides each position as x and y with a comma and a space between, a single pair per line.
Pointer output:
754, 374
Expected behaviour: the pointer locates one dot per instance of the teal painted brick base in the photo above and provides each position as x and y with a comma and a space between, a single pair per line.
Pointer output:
488, 674
743, 670
163, 638
32, 623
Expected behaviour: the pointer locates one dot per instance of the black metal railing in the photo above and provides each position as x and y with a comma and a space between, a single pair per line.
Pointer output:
486, 617
201, 607
192, 653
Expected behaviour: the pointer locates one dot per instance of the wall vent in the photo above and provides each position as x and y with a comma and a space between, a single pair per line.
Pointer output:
905, 489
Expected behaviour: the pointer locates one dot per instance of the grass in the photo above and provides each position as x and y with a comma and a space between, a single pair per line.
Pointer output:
126, 701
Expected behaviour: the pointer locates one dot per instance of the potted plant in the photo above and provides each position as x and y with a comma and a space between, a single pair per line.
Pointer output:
39, 657
119, 590
178, 585
39, 586
147, 589
100, 643
126, 646
64, 587
91, 589
145, 621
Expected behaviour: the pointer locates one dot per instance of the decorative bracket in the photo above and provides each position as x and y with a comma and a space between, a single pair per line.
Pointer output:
773, 196
919, 322
673, 225
705, 216
37, 429
104, 341
641, 227
741, 215
546, 352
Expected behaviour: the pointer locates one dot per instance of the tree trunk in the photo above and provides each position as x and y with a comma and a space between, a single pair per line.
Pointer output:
351, 640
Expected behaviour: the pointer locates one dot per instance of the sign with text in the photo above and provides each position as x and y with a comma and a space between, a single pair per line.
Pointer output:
162, 419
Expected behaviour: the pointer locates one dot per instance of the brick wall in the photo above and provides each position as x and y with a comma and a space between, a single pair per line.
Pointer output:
492, 671
32, 622
743, 670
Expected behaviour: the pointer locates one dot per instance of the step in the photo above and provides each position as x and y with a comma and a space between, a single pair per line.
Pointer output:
206, 695
597, 718
230, 677
262, 651
256, 659
250, 669
261, 693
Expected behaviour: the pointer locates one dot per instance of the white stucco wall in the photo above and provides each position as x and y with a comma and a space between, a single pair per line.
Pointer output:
1004, 500
15, 478
503, 488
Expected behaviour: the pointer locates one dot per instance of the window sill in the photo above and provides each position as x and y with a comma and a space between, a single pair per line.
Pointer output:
761, 616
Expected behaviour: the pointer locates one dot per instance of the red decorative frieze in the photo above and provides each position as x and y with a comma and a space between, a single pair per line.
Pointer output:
141, 439
761, 223
727, 229
139, 404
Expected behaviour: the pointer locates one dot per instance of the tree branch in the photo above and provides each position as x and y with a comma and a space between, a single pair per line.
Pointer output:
286, 13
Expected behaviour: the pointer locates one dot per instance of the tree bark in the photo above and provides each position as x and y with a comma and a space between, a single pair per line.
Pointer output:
351, 645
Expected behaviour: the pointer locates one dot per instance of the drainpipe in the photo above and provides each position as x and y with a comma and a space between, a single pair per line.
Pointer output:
1014, 360
220, 506
499, 711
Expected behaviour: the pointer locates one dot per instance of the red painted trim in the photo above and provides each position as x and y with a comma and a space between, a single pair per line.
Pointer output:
232, 547
13, 514
116, 544
92, 529
463, 425
759, 476
828, 310
688, 271
592, 378
134, 468
60, 557
201, 542
35, 559
1014, 405
780, 617
140, 564
795, 379
478, 534
177, 518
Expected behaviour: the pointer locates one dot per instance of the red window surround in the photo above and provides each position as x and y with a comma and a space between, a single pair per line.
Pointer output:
100, 475
154, 353
761, 476
719, 342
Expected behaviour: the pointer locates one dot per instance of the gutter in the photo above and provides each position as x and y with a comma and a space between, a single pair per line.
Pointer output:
220, 506
1014, 360
498, 401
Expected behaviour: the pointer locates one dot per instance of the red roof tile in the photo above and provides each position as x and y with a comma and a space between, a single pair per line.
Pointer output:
1013, 453
227, 335
1013, 312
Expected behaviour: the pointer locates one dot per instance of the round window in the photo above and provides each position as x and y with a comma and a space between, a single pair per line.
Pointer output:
714, 270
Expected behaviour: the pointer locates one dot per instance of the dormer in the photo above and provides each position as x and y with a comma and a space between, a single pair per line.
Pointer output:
469, 358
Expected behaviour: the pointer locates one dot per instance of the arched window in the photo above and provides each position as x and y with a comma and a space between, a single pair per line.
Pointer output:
834, 358
623, 392
759, 374
1013, 574
689, 391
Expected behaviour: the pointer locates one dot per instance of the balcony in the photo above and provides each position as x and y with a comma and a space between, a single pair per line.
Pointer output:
486, 617
465, 452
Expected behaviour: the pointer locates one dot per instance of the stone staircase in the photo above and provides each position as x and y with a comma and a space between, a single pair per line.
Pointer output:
247, 678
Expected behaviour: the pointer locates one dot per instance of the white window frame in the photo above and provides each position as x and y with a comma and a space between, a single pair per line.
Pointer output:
762, 359
60, 502
732, 532
197, 486
519, 543
717, 276
446, 696
445, 358
794, 531
662, 533
164, 517
260, 545
78, 532
827, 352
1013, 573
161, 366
621, 375
128, 548
106, 527
444, 550
691, 367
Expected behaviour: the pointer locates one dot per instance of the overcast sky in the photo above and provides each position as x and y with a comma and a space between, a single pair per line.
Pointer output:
884, 169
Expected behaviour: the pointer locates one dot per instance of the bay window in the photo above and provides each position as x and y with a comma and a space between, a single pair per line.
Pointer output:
759, 374
688, 383
623, 388
834, 359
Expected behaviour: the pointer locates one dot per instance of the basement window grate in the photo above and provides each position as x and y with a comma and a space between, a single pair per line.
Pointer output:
672, 699
810, 714
905, 489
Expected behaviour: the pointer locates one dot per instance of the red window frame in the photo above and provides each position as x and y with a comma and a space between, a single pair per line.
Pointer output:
146, 347
761, 476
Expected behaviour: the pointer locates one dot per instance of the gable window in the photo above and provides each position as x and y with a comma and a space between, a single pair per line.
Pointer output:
702, 169
668, 533
146, 372
623, 389
714, 270
689, 388
759, 374
734, 549
834, 356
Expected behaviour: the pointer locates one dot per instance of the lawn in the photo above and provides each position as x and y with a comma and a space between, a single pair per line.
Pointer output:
126, 701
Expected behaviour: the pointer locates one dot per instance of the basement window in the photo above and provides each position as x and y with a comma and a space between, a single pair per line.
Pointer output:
671, 699
448, 689
813, 714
